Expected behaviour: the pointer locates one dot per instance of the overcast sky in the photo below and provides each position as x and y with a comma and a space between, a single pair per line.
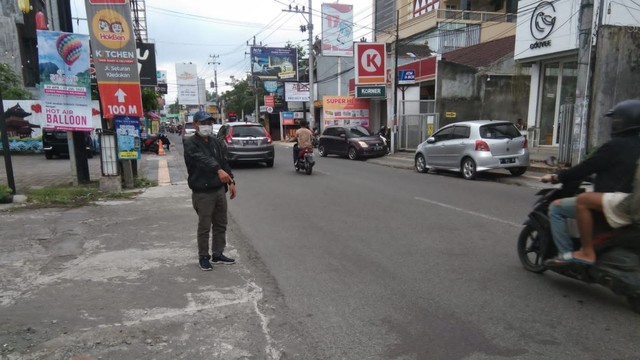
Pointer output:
193, 30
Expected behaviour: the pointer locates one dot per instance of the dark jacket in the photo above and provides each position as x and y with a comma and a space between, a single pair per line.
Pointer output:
614, 164
203, 160
631, 204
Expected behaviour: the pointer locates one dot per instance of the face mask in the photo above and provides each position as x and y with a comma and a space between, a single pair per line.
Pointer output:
205, 130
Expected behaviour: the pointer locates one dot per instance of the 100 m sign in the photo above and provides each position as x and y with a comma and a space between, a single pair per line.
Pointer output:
122, 110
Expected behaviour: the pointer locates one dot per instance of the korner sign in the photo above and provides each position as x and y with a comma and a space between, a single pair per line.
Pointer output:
546, 27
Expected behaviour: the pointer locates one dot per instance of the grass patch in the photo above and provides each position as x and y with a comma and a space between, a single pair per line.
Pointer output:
142, 182
75, 196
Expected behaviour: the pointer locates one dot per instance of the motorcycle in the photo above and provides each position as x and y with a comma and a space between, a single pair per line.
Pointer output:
617, 251
306, 162
386, 140
151, 143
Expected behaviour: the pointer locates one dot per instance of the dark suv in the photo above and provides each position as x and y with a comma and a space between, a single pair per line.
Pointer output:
56, 143
247, 142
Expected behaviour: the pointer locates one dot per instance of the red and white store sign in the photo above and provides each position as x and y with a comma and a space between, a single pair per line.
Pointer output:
371, 65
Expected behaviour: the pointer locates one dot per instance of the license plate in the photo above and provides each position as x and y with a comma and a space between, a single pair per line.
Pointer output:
377, 148
508, 161
250, 142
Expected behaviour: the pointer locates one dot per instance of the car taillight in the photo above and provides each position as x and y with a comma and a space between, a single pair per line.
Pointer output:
482, 146
525, 145
269, 140
228, 137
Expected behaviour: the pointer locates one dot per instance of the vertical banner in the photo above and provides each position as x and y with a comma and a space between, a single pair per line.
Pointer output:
337, 30
370, 63
186, 75
147, 64
65, 83
128, 135
115, 58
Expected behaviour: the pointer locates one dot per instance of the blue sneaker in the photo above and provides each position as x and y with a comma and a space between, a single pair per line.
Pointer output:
205, 265
221, 259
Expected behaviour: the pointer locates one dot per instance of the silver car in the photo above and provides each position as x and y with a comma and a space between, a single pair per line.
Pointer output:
473, 146
247, 142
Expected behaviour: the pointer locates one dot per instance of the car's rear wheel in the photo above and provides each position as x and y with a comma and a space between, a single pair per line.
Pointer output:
322, 151
421, 163
353, 153
518, 171
469, 171
48, 155
269, 163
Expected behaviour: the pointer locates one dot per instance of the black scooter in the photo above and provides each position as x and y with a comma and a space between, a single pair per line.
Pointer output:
618, 251
304, 163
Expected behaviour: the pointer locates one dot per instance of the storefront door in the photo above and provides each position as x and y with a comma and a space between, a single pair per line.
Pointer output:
558, 89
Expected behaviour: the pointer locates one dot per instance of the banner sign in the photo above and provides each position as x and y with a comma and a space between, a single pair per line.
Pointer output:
128, 135
337, 30
147, 64
65, 82
296, 92
345, 110
113, 49
370, 63
187, 78
406, 77
162, 87
274, 63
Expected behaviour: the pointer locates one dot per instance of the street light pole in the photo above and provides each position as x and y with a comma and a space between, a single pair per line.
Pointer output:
311, 60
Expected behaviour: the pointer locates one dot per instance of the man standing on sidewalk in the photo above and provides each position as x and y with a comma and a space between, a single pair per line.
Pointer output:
209, 178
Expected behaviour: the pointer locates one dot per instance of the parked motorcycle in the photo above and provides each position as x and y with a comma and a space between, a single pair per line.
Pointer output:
617, 251
385, 137
151, 143
306, 162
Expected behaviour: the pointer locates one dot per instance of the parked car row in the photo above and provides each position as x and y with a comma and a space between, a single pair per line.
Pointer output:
467, 147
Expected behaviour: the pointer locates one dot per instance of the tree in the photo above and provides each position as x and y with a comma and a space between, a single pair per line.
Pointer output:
240, 99
150, 99
11, 85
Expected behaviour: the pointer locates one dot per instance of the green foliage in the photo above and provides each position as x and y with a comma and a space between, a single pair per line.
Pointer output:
142, 182
242, 98
4, 191
11, 85
150, 99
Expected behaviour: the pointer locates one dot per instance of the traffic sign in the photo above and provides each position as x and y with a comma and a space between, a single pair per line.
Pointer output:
370, 60
120, 99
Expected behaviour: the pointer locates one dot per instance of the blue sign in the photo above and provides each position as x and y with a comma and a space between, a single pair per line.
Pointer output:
128, 137
270, 86
406, 77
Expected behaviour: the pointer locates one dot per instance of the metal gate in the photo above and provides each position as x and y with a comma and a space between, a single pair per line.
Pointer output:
565, 124
418, 120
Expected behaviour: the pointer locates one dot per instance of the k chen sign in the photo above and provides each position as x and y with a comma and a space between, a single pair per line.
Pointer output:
546, 27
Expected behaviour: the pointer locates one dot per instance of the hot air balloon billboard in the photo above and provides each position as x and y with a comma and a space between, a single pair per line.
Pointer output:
65, 80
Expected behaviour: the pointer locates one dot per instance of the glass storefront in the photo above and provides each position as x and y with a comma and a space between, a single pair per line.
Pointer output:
558, 89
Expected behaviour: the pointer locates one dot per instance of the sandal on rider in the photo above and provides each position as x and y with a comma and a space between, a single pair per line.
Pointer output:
567, 260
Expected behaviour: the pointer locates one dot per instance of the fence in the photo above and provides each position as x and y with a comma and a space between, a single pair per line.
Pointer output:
418, 120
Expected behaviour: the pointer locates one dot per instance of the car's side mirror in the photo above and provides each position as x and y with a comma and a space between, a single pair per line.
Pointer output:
431, 140
343, 136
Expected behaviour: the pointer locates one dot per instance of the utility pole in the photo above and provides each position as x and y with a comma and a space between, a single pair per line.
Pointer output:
581, 108
215, 64
309, 28
394, 126
254, 81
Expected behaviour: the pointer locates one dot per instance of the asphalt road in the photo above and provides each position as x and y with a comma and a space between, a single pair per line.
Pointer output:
356, 261
380, 263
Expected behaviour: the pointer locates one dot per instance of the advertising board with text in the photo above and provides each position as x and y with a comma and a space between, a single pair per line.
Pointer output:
65, 83
147, 64
345, 110
187, 79
115, 57
296, 91
128, 135
370, 63
337, 30
274, 63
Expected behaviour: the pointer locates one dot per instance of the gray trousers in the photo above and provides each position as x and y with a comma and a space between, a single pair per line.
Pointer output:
212, 217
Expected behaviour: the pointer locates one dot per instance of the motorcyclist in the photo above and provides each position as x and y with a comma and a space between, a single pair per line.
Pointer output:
613, 164
303, 137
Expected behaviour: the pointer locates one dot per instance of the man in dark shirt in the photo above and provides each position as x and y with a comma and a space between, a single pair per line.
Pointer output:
613, 164
209, 178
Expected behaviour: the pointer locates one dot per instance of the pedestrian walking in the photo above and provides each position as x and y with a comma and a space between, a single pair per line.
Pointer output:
209, 178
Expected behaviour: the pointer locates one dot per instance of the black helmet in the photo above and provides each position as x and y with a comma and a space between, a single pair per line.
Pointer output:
626, 116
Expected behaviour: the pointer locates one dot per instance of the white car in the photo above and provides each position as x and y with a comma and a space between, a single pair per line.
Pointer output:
469, 147
188, 129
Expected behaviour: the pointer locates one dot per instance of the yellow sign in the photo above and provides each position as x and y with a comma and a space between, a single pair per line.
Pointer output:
450, 114
429, 129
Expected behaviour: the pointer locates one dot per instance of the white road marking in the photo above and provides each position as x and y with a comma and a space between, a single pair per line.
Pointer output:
469, 212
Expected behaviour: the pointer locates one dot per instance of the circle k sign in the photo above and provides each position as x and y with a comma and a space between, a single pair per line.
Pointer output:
371, 63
